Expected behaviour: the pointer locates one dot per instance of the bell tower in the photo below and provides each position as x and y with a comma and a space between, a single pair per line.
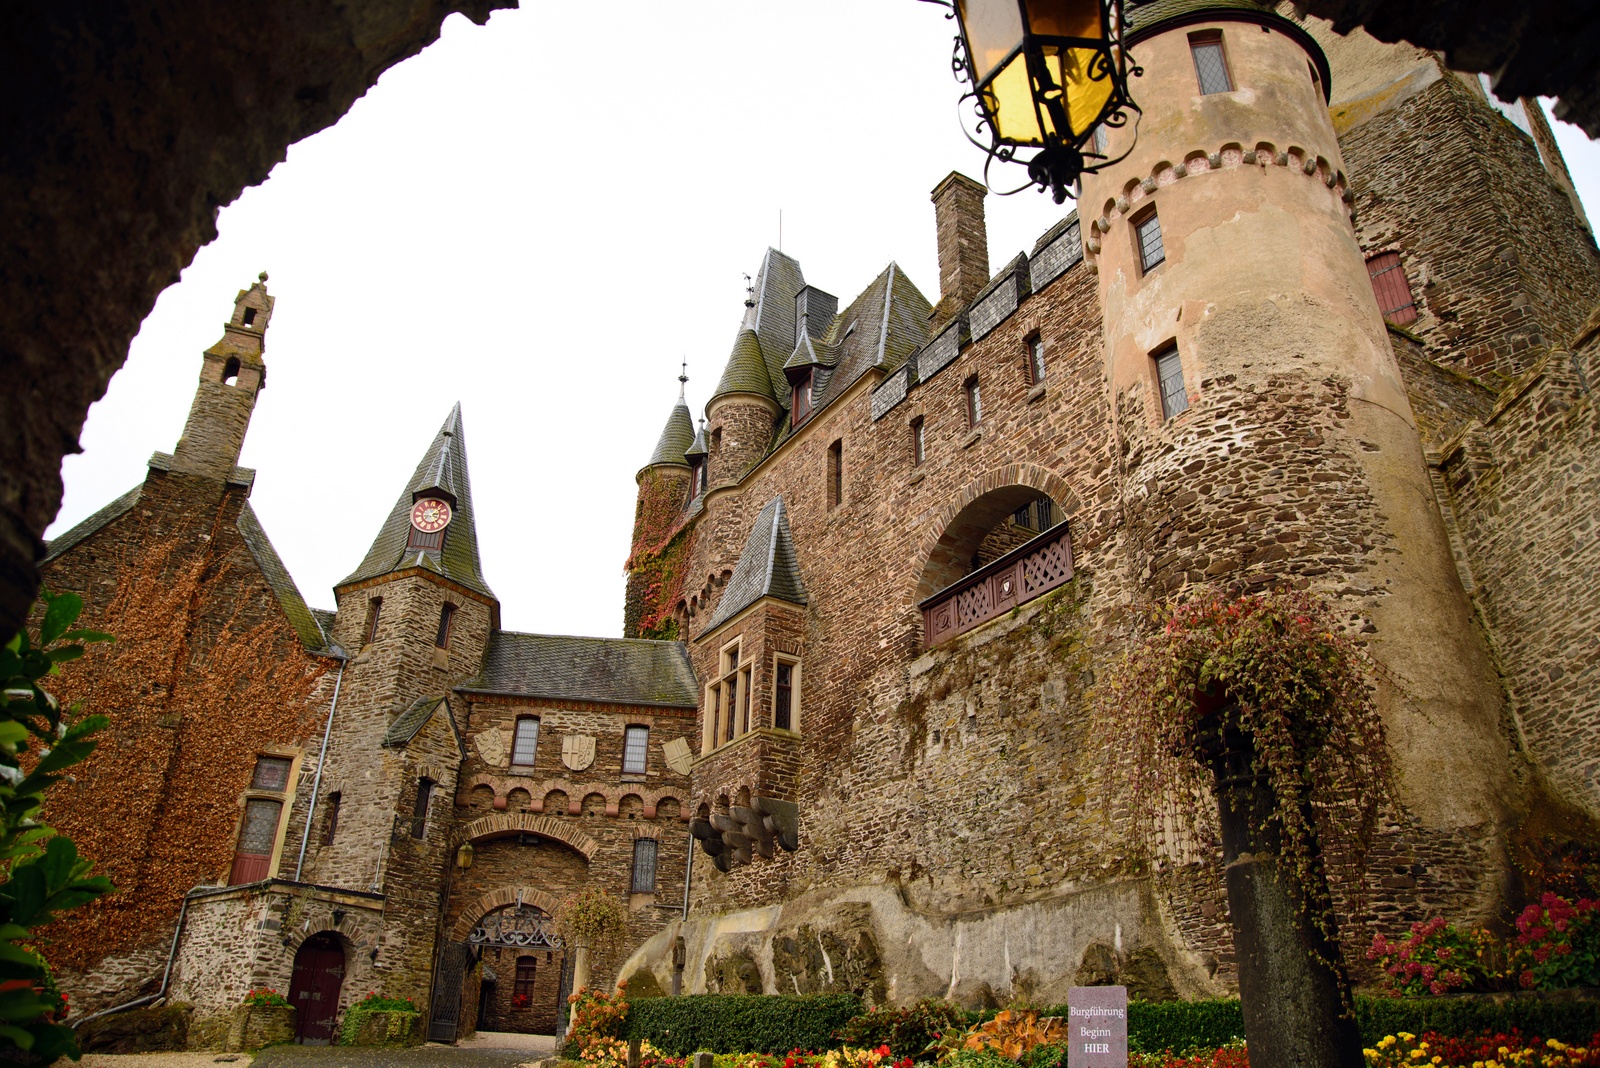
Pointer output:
231, 374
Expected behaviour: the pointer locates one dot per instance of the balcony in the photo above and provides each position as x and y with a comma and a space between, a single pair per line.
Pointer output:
1033, 568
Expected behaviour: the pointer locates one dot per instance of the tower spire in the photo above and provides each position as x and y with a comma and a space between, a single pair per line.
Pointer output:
448, 548
683, 380
232, 372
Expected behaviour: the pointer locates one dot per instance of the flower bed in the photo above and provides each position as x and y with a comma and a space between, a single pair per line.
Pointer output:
1407, 1050
380, 1021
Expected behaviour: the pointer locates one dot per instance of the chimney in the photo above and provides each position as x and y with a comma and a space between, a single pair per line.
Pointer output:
963, 244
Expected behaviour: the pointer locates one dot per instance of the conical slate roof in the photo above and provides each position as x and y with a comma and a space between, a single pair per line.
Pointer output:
676, 437
747, 368
699, 446
443, 467
768, 567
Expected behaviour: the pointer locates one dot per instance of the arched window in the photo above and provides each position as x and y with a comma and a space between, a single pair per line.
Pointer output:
525, 742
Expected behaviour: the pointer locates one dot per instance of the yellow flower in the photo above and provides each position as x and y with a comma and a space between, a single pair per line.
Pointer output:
1408, 1036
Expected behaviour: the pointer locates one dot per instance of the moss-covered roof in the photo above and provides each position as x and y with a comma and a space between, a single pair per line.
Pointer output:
768, 567
408, 723
629, 671
443, 467
778, 281
676, 437
698, 446
77, 534
747, 368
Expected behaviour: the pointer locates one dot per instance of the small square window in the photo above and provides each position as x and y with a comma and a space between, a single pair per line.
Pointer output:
272, 773
1101, 139
974, 402
1152, 253
1169, 372
1210, 65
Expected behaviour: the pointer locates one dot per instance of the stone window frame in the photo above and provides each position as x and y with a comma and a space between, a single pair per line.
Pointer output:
1167, 354
374, 613
792, 662
516, 728
422, 806
1148, 254
1033, 358
644, 750
284, 798
447, 623
654, 851
1203, 41
330, 818
521, 987
731, 665
919, 440
972, 393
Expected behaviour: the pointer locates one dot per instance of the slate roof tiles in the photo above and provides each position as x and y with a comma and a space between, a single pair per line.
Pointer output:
633, 671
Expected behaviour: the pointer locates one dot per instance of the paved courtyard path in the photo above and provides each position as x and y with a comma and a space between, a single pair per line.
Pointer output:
485, 1050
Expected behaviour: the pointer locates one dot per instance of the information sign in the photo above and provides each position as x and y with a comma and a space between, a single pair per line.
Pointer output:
1097, 1027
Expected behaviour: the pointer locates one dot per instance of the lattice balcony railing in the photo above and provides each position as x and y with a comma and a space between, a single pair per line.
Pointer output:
1016, 578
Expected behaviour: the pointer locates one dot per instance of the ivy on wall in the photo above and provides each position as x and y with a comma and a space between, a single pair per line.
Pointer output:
662, 545
205, 674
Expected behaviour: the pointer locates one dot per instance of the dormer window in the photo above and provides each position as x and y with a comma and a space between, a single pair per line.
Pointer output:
801, 397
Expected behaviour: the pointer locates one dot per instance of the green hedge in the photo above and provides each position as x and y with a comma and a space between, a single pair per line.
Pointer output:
756, 1023
740, 1023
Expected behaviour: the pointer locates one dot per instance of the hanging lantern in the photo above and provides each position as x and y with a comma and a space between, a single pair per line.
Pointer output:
464, 856
1044, 74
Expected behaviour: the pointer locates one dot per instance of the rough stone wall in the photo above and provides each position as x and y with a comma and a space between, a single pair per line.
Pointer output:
746, 431
1497, 264
581, 823
206, 674
1526, 491
245, 939
142, 122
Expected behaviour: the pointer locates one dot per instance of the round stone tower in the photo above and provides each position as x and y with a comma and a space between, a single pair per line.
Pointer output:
1264, 431
741, 412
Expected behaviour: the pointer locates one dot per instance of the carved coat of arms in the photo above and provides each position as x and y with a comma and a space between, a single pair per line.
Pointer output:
577, 751
679, 758
492, 746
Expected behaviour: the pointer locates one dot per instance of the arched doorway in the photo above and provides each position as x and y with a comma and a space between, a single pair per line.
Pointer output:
528, 959
314, 987
1002, 549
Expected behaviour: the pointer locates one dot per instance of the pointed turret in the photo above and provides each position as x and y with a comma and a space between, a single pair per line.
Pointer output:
431, 525
746, 371
768, 567
231, 374
744, 408
676, 438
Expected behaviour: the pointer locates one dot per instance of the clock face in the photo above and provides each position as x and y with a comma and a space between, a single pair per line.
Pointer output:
430, 514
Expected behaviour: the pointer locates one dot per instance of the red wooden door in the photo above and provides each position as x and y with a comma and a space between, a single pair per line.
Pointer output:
314, 988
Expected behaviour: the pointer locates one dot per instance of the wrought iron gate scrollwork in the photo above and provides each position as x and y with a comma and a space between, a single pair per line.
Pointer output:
522, 927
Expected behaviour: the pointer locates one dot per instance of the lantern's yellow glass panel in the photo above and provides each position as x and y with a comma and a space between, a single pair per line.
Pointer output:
1010, 99
994, 31
1066, 18
1085, 96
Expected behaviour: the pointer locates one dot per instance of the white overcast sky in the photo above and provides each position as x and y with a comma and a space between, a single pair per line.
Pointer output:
540, 218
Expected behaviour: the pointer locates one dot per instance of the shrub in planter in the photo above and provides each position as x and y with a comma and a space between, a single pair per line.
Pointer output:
256, 1026
381, 1021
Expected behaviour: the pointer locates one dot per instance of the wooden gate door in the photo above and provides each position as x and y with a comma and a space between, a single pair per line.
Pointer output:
445, 1018
314, 988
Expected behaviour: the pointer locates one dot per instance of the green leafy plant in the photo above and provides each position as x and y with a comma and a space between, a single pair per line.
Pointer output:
43, 874
1298, 688
1437, 958
402, 1026
741, 1023
908, 1030
592, 918
265, 998
1558, 943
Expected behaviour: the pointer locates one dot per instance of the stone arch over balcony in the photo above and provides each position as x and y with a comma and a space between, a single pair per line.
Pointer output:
474, 913
947, 545
502, 825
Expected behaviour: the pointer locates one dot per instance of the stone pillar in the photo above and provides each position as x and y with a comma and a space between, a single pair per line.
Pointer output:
963, 244
580, 968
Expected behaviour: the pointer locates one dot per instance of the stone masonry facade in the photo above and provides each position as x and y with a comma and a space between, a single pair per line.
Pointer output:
960, 830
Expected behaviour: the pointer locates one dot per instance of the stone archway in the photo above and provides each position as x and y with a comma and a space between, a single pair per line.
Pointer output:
954, 535
474, 913
507, 824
